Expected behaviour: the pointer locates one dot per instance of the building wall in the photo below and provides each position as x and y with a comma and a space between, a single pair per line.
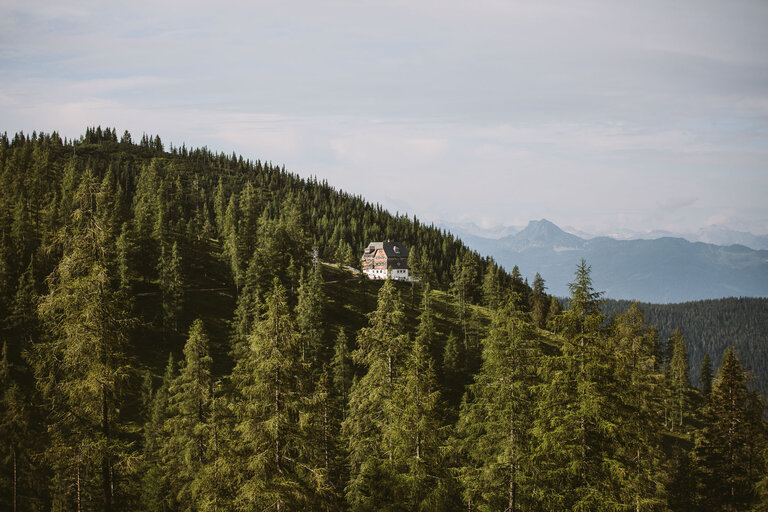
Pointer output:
398, 274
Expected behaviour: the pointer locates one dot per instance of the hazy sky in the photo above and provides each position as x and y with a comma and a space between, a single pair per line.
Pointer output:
601, 115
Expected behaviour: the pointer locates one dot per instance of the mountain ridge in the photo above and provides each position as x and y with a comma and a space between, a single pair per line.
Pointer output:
662, 270
712, 234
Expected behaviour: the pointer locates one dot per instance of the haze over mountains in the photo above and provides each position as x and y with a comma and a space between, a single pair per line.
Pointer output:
666, 269
712, 234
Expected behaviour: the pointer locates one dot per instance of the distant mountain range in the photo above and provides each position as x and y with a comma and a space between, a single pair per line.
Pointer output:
666, 269
718, 235
713, 234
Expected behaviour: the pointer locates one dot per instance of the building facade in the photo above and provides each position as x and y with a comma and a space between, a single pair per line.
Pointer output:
386, 259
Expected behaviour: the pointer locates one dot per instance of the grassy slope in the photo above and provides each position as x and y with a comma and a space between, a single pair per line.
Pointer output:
209, 297
349, 301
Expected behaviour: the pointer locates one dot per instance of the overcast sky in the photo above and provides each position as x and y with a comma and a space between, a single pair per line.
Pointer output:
602, 115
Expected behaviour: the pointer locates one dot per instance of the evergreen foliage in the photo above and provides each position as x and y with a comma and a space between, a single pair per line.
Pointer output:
302, 386
495, 427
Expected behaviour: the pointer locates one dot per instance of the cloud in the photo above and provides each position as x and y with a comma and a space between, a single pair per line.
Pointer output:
675, 204
589, 113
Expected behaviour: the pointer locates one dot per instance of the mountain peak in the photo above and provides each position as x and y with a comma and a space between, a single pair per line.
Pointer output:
543, 226
543, 233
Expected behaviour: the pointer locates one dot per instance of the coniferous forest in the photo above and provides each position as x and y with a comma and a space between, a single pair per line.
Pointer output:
186, 331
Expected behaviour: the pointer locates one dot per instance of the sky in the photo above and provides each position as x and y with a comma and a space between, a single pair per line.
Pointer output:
600, 115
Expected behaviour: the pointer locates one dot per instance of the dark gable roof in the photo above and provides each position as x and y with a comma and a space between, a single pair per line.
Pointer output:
395, 250
391, 249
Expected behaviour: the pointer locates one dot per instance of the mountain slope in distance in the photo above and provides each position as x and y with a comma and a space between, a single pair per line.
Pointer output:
662, 270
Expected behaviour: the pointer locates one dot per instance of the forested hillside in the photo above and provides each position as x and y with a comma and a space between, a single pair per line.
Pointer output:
179, 332
711, 326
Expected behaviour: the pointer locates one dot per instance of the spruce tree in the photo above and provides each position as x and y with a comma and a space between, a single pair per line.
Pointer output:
575, 421
188, 425
309, 317
124, 259
372, 484
231, 241
491, 287
23, 320
16, 450
220, 207
415, 432
341, 369
539, 302
723, 445
496, 421
157, 473
322, 427
638, 469
82, 369
171, 287
272, 391
453, 370
680, 382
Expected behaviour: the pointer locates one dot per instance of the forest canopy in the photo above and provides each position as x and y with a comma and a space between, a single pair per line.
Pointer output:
184, 330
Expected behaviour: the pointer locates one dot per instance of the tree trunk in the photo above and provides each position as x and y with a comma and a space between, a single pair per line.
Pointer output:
77, 485
326, 434
277, 417
106, 472
15, 480
512, 506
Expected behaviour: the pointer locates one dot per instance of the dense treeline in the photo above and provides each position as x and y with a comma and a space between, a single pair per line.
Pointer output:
711, 326
114, 255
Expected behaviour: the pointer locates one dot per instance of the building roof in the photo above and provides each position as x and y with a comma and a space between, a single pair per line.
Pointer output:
391, 249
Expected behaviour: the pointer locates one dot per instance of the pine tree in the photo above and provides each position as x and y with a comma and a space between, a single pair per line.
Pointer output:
188, 425
453, 371
638, 469
82, 370
341, 369
723, 444
576, 426
220, 207
496, 421
491, 287
539, 302
415, 431
309, 317
17, 441
171, 287
155, 494
372, 482
272, 391
680, 382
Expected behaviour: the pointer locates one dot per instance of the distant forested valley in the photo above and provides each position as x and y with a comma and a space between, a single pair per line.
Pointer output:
710, 327
186, 330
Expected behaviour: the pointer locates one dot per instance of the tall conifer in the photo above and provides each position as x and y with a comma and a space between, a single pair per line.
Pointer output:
496, 422
82, 370
372, 481
272, 394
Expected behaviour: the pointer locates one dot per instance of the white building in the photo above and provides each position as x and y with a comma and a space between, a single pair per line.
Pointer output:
386, 259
